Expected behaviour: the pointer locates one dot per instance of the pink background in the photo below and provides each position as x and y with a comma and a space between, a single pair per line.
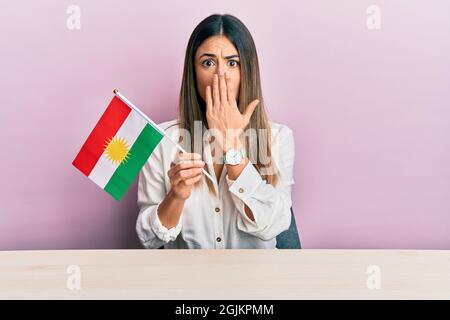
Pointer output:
370, 110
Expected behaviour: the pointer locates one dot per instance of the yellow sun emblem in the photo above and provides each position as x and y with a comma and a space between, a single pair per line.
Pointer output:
117, 150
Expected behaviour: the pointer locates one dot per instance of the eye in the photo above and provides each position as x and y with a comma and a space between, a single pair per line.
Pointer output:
208, 63
233, 63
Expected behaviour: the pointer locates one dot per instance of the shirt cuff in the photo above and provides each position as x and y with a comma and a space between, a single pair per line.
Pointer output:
161, 231
243, 188
246, 183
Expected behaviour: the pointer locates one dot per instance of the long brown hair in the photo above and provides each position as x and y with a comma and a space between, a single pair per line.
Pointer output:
192, 107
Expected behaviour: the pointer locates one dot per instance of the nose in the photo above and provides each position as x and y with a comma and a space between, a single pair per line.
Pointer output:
220, 70
221, 67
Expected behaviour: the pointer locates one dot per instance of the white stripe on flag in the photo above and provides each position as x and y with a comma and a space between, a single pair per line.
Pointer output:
129, 131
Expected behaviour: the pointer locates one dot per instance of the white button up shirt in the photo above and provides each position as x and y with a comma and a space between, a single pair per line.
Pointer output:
218, 222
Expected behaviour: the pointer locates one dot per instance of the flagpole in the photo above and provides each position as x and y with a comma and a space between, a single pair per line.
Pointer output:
153, 124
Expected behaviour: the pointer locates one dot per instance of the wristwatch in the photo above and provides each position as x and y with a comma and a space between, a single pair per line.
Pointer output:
234, 156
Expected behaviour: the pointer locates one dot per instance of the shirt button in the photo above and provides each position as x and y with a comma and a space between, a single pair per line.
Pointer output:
218, 239
217, 209
241, 190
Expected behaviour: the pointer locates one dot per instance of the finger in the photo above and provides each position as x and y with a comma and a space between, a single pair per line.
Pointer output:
223, 89
216, 94
181, 156
209, 101
192, 181
189, 155
185, 160
185, 165
251, 107
173, 172
183, 175
230, 92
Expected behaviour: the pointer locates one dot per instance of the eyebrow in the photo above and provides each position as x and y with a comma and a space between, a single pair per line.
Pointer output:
213, 55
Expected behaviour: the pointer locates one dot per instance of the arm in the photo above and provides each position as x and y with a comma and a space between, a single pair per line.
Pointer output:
235, 171
154, 205
269, 206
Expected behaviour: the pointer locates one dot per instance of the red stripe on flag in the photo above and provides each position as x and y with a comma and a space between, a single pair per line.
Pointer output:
106, 128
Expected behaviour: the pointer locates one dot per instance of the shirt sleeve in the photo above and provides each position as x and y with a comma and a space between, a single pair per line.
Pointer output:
271, 206
151, 192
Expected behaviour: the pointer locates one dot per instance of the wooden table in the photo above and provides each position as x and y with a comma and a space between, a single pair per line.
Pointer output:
225, 274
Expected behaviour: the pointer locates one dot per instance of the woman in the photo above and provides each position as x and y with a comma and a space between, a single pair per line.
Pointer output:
222, 116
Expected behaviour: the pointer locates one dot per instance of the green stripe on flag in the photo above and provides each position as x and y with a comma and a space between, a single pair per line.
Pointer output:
125, 173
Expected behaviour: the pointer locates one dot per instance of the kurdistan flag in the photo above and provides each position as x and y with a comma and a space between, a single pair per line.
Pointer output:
117, 148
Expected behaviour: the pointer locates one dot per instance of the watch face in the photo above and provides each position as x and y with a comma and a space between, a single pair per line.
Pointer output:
233, 156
